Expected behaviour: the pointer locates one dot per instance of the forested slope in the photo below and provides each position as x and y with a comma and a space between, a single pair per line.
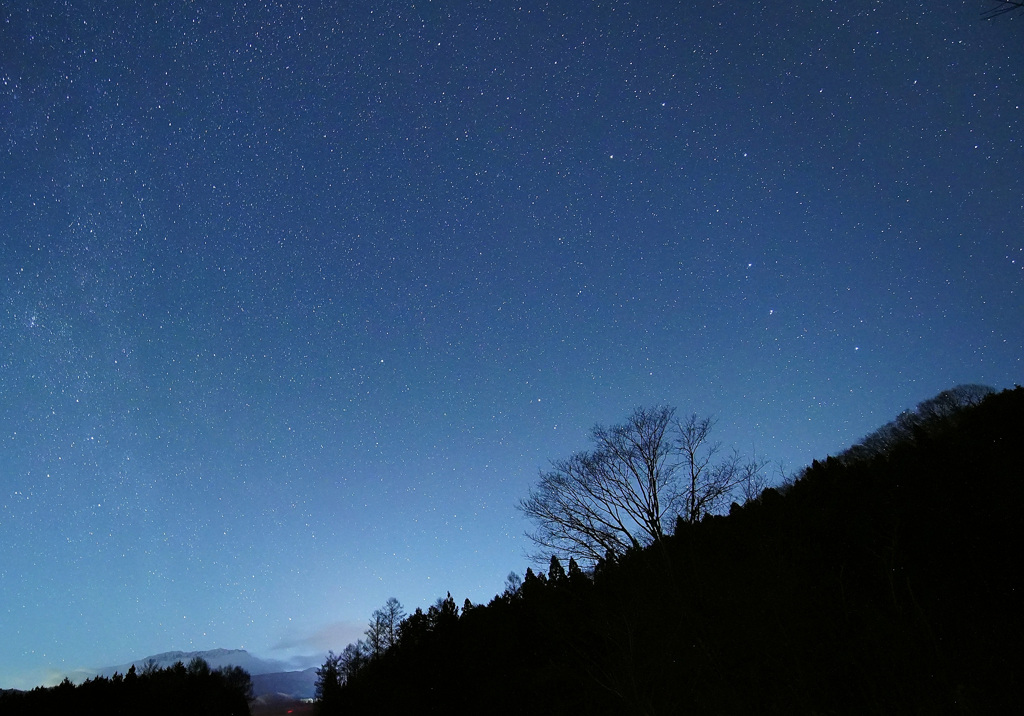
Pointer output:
885, 580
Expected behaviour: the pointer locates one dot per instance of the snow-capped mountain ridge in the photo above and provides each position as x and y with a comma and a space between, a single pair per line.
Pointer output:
216, 658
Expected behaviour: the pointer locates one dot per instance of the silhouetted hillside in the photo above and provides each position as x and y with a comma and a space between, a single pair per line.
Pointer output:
172, 691
882, 582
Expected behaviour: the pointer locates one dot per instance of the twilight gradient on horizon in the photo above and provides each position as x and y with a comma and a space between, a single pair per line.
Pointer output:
295, 300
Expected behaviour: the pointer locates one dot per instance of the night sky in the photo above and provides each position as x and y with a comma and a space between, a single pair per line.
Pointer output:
296, 300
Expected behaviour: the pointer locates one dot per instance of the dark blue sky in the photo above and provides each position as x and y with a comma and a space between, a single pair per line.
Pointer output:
295, 300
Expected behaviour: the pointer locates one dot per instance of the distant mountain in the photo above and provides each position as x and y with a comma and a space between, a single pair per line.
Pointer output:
294, 684
216, 658
268, 676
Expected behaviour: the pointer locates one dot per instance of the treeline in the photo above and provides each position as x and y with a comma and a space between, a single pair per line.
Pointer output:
885, 580
196, 690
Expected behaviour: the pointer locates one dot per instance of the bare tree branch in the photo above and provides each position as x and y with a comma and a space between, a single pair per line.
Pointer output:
1002, 7
609, 499
640, 476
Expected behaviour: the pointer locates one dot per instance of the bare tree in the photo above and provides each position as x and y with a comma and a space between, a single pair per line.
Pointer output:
952, 401
609, 499
909, 424
710, 480
382, 631
392, 615
353, 658
640, 476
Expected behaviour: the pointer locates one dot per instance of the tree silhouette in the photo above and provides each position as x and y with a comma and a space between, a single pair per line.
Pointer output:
609, 499
928, 416
512, 584
238, 680
556, 573
640, 476
328, 682
382, 631
443, 615
709, 482
353, 658
196, 689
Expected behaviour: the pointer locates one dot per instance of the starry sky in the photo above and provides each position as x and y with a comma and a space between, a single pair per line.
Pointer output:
297, 298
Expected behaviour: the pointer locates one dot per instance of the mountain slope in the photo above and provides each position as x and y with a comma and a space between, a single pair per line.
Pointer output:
268, 676
886, 583
216, 658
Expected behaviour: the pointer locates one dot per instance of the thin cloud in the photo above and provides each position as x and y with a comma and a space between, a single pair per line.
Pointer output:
334, 636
